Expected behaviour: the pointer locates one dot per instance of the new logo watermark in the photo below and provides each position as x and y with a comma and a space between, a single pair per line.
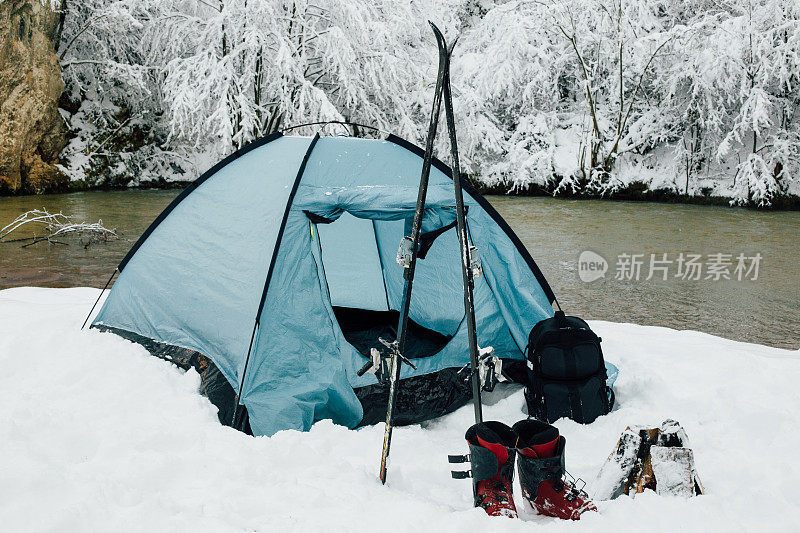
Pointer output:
591, 266
664, 266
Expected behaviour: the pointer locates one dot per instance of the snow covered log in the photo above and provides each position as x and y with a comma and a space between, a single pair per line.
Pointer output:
659, 459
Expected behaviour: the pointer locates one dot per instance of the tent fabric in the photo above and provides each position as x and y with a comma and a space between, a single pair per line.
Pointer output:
244, 248
196, 281
350, 244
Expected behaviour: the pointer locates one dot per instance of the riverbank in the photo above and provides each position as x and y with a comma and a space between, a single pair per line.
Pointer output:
639, 192
101, 436
636, 192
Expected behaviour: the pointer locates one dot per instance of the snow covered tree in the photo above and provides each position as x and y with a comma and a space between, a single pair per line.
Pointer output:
113, 99
614, 45
209, 76
102, 54
239, 69
508, 72
767, 76
570, 96
732, 90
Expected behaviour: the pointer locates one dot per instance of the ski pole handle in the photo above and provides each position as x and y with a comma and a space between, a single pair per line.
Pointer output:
363, 369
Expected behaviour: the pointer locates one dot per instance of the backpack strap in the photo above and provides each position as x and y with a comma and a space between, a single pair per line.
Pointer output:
561, 318
575, 402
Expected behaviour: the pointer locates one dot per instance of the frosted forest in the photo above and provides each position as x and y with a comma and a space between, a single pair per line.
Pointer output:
564, 97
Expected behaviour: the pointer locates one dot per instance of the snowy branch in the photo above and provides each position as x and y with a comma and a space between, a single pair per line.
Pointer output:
55, 225
566, 95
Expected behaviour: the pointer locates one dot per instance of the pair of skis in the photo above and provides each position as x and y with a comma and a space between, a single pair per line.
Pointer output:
407, 256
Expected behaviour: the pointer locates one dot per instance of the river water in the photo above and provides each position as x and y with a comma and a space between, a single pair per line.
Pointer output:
764, 310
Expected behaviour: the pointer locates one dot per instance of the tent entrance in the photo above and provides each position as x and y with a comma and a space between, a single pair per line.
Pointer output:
364, 306
362, 328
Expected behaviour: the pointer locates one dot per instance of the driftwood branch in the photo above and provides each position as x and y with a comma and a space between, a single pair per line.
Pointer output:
56, 225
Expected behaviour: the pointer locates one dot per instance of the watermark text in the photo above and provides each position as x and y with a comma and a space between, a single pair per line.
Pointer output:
665, 266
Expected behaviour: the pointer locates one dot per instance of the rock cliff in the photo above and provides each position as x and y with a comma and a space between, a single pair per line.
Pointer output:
32, 132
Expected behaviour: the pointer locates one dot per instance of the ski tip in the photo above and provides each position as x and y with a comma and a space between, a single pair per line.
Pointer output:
437, 32
453, 44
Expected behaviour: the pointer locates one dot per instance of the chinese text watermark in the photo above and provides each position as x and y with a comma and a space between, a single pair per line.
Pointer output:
665, 266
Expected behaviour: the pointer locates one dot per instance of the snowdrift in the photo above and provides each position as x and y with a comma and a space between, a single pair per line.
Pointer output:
96, 435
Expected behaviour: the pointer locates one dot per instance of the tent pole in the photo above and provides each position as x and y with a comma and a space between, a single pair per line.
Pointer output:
238, 414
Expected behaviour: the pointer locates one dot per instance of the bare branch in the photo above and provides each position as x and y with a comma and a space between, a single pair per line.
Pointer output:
56, 224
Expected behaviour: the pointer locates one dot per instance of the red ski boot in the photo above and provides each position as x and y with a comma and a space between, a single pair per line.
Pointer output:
492, 455
541, 472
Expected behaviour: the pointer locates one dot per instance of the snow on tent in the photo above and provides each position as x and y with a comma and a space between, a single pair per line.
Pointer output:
274, 273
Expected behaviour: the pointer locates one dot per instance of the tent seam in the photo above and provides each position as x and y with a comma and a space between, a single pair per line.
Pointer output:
380, 261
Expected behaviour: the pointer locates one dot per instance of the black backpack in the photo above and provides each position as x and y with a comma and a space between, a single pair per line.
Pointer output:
566, 371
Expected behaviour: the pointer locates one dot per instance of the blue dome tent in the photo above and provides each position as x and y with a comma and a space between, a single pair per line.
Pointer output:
275, 272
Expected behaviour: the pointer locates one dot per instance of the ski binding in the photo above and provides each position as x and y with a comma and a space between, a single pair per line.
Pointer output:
405, 252
379, 362
490, 369
475, 262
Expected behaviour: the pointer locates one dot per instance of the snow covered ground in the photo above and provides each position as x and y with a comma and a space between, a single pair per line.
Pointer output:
95, 435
